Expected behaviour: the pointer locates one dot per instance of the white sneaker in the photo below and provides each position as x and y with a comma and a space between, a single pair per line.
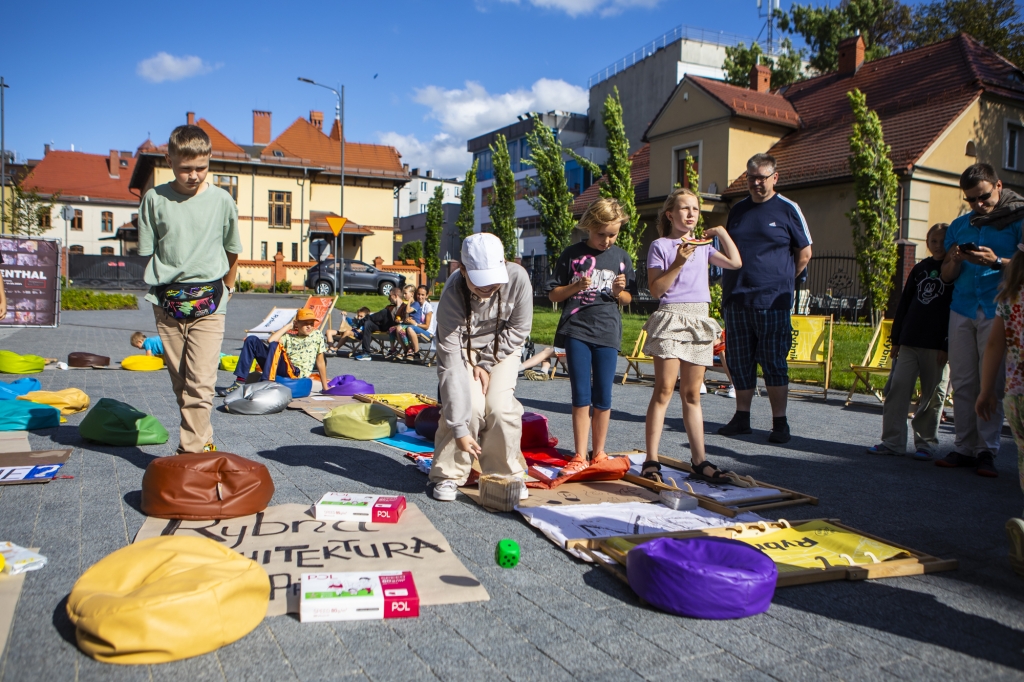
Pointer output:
703, 388
524, 494
731, 393
445, 490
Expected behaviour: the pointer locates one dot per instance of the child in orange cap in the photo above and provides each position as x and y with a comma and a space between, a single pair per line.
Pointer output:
302, 350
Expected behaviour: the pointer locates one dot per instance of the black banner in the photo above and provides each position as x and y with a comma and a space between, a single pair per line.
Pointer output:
31, 274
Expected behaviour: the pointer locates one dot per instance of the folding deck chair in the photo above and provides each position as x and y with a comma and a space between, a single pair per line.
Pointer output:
877, 361
812, 347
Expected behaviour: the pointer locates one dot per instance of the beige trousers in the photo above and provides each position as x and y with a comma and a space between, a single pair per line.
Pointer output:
192, 354
496, 424
967, 340
911, 364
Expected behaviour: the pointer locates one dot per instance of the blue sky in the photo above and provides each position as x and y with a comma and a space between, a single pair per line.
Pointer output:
422, 75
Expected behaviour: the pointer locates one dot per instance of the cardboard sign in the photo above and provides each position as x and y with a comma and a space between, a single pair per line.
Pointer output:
587, 492
39, 466
287, 541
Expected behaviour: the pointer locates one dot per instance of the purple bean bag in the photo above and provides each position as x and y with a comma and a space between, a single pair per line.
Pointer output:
347, 384
300, 388
712, 578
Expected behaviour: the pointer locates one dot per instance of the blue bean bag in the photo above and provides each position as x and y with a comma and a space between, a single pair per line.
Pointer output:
300, 387
21, 415
9, 390
702, 577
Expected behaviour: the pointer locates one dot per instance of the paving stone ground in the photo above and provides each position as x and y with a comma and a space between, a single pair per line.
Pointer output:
553, 617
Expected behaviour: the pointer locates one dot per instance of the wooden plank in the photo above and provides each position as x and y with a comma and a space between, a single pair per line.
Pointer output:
685, 466
706, 502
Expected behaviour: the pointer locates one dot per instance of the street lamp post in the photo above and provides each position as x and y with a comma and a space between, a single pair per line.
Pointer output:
339, 256
3, 162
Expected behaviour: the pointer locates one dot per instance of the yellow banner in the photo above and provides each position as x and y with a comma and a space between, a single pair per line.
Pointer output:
402, 401
808, 339
882, 356
818, 544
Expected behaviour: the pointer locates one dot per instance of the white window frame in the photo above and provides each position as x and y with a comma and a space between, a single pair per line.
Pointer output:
699, 144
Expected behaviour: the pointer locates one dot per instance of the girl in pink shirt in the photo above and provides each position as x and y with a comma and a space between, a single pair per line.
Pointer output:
680, 334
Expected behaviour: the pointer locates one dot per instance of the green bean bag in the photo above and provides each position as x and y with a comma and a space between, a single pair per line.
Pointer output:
21, 415
116, 423
361, 421
12, 363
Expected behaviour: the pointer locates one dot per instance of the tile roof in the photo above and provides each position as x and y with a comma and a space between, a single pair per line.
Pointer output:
304, 141
916, 94
318, 224
77, 174
639, 174
222, 146
762, 106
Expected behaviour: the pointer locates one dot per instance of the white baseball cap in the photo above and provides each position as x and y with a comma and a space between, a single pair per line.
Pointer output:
484, 257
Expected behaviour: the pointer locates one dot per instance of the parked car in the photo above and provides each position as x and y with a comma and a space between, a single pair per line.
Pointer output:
358, 276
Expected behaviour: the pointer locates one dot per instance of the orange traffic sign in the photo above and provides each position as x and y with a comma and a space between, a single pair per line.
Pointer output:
336, 224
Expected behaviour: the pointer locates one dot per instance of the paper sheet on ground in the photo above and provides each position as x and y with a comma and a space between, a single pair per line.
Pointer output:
585, 492
14, 441
561, 523
287, 541
10, 590
818, 544
319, 402
726, 494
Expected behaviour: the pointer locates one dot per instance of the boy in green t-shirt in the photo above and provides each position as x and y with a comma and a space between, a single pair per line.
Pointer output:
190, 228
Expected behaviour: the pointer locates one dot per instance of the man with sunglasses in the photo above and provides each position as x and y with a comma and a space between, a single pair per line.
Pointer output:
977, 246
773, 238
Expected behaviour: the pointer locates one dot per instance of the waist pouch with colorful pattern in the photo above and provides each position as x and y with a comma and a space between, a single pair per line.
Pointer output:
191, 301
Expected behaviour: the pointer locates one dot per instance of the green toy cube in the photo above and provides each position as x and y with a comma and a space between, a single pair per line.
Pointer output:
507, 553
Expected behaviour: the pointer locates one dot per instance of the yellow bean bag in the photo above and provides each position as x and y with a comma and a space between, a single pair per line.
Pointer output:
143, 363
12, 363
228, 363
68, 400
165, 599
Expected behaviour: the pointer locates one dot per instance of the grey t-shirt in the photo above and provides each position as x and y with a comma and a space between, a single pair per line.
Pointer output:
189, 237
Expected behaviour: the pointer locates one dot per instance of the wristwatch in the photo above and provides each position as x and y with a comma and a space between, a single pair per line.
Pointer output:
998, 265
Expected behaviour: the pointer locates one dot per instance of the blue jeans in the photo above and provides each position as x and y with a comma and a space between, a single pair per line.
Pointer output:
591, 373
254, 348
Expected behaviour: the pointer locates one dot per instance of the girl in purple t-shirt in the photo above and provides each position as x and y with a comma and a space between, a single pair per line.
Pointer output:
680, 334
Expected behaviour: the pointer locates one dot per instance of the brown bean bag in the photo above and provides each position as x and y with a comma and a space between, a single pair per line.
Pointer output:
81, 359
206, 485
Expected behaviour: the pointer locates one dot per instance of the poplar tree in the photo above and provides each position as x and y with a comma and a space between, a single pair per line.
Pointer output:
465, 221
435, 222
618, 182
503, 201
549, 193
874, 218
693, 180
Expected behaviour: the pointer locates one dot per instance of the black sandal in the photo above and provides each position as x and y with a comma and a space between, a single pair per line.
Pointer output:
716, 475
651, 470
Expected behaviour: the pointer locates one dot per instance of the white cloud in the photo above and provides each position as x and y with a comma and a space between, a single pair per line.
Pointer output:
576, 8
166, 67
471, 111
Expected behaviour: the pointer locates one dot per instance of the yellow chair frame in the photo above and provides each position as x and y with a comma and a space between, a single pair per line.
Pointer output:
877, 360
820, 354
633, 361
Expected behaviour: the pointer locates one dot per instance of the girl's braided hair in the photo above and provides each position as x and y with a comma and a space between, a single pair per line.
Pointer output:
464, 290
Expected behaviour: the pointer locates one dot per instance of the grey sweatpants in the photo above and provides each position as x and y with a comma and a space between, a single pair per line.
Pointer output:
967, 340
911, 364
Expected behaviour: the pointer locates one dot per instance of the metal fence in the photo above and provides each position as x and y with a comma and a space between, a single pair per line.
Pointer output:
107, 272
832, 288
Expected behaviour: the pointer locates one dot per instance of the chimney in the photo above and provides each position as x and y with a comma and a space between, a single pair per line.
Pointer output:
405, 168
260, 127
430, 173
851, 54
46, 149
760, 78
115, 163
190, 117
317, 119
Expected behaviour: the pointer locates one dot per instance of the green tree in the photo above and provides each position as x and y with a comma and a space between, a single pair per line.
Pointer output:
874, 218
883, 24
996, 24
435, 223
618, 182
26, 210
785, 66
549, 193
465, 221
503, 201
411, 251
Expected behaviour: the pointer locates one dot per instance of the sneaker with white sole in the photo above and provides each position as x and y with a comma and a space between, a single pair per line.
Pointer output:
524, 494
703, 388
445, 490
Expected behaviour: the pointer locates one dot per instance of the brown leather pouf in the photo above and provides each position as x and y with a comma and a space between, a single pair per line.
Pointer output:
206, 485
87, 360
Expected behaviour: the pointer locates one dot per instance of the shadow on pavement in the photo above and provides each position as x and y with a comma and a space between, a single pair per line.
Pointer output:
68, 436
351, 461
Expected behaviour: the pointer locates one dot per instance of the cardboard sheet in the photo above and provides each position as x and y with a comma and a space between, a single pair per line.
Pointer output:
10, 590
14, 441
287, 541
320, 401
728, 495
38, 466
587, 492
561, 523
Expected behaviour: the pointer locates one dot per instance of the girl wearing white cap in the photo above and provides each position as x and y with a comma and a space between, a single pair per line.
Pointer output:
483, 319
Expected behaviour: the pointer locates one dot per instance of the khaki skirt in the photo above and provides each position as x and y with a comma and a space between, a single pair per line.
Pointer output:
682, 331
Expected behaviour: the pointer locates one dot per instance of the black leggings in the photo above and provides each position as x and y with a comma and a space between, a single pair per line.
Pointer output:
368, 330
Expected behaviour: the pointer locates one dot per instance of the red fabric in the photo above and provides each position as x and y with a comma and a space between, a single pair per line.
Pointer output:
611, 469
410, 414
535, 432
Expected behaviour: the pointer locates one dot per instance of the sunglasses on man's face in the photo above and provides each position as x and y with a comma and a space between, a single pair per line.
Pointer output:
758, 179
981, 198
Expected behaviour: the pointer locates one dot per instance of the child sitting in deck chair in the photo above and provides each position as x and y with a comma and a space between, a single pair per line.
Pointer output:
349, 328
290, 355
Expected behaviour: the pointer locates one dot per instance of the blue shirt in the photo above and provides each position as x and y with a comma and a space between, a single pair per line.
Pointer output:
154, 345
976, 285
765, 235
